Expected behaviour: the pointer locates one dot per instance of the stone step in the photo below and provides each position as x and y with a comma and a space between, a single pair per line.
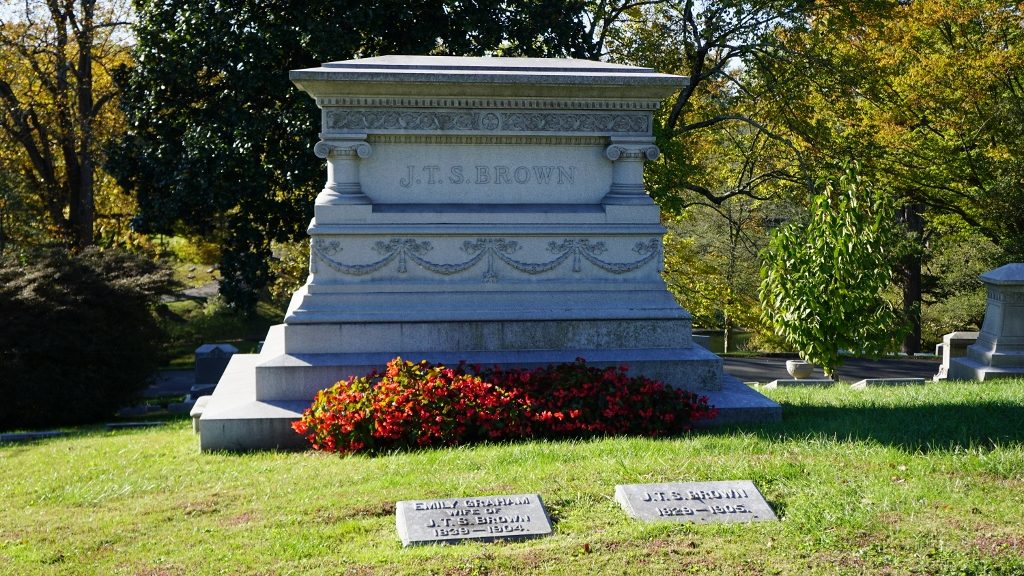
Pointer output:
967, 368
300, 376
234, 420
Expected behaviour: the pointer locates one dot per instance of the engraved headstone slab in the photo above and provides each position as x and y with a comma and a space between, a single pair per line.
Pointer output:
697, 502
481, 518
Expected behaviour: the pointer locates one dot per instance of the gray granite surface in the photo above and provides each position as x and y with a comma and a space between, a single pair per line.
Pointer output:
698, 502
480, 518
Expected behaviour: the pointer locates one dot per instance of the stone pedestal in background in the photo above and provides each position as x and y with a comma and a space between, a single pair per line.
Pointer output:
999, 350
481, 209
954, 345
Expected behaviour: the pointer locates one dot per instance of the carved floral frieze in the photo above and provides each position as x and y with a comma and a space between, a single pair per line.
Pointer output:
487, 121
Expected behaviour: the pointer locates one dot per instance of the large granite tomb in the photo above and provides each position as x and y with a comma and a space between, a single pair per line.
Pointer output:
482, 209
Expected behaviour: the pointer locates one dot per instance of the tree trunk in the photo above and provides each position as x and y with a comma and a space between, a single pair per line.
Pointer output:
911, 273
84, 197
726, 333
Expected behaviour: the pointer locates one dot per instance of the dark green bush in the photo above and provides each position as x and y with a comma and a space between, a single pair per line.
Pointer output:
77, 336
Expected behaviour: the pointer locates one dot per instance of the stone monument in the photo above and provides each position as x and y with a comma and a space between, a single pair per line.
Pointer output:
490, 210
999, 349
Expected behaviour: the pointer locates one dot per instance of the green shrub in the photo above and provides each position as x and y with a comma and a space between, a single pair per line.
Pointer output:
78, 339
825, 281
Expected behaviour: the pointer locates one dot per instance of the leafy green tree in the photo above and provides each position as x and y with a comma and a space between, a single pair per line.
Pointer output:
59, 109
825, 281
926, 96
712, 264
723, 162
954, 295
716, 142
220, 142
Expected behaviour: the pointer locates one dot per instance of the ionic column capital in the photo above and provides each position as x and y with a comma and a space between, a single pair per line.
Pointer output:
343, 156
338, 148
639, 151
628, 156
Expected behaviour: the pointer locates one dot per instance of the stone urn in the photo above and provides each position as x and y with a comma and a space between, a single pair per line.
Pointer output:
799, 369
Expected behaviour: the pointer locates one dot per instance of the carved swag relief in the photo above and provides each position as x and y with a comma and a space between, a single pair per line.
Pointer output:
490, 250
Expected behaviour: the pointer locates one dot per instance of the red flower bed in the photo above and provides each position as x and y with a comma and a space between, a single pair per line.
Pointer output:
412, 405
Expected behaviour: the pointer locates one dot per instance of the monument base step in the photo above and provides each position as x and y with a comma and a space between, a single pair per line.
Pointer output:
235, 421
966, 368
290, 376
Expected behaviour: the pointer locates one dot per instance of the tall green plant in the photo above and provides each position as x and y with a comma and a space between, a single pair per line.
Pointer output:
824, 281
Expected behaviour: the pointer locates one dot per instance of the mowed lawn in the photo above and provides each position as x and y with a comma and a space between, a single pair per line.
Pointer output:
925, 479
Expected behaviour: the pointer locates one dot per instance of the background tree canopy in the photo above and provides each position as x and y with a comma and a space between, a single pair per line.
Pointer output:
213, 142
58, 110
219, 142
925, 96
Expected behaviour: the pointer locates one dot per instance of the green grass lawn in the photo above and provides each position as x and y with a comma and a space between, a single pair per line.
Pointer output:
909, 480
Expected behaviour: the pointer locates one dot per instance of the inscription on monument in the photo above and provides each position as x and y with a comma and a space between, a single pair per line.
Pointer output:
484, 174
484, 518
698, 502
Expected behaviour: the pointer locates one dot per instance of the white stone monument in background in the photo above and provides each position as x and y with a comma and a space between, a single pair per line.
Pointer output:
490, 210
999, 349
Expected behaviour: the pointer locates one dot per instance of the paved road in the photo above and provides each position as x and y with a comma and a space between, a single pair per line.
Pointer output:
171, 383
755, 369
759, 369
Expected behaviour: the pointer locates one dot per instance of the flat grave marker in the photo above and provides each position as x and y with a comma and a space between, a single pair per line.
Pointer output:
480, 518
781, 382
874, 382
697, 502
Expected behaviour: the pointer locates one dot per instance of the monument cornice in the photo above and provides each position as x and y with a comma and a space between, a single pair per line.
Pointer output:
488, 139
470, 229
435, 77
495, 103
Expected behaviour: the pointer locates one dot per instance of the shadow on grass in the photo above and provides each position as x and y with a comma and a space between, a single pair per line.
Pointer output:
914, 428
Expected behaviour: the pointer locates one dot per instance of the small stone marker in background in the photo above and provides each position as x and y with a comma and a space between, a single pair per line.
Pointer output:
211, 360
697, 502
483, 518
782, 382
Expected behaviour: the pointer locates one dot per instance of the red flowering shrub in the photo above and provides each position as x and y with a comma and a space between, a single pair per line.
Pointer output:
421, 404
410, 405
574, 400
